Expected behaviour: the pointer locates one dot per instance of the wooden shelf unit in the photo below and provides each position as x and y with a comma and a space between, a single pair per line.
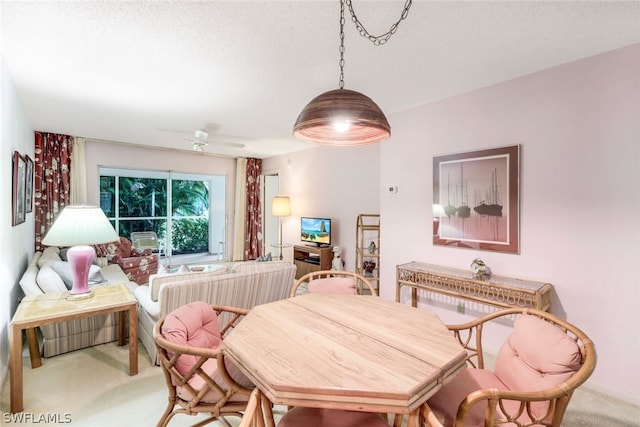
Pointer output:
302, 253
498, 291
368, 231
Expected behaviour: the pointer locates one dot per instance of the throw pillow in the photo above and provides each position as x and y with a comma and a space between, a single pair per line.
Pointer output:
63, 269
49, 281
264, 258
49, 255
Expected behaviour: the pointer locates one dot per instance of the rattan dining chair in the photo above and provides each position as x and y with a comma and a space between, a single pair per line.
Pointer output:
199, 377
536, 371
334, 282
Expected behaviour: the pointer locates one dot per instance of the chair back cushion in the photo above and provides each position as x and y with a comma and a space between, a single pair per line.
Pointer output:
197, 325
333, 285
194, 325
536, 356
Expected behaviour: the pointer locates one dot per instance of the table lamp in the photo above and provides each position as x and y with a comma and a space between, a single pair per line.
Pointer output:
79, 227
280, 207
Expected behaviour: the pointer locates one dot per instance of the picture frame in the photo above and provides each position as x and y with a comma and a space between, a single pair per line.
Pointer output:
28, 195
476, 200
18, 188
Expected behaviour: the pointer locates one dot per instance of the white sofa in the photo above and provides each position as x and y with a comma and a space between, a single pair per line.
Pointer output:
243, 285
45, 274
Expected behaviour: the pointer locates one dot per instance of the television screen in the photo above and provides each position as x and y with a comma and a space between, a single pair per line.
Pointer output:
315, 230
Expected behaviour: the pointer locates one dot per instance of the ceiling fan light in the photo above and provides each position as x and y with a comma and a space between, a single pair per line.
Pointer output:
366, 122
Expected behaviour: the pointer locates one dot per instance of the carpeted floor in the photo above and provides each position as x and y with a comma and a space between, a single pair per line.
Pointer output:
91, 388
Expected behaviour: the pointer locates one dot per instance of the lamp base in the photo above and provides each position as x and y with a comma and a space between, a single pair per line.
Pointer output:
78, 297
80, 258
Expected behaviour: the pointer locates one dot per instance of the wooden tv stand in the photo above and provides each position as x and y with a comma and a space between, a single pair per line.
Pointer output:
302, 255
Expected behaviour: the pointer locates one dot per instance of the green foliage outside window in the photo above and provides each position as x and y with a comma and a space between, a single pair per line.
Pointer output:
190, 236
143, 207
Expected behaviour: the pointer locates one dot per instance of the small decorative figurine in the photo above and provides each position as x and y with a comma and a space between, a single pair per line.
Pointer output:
480, 270
336, 264
369, 266
372, 248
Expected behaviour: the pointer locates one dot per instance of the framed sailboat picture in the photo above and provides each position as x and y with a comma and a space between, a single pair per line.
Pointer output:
476, 200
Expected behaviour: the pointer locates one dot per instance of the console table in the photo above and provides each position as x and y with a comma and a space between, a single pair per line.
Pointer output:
498, 291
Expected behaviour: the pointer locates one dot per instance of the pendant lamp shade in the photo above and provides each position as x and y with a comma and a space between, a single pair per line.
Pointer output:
342, 117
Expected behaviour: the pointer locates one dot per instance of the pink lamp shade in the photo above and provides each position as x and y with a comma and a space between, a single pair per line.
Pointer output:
80, 227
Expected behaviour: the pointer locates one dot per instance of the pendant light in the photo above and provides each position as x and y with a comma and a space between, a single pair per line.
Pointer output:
345, 117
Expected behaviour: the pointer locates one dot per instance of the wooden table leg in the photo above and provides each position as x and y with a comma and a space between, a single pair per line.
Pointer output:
414, 418
268, 411
15, 369
34, 349
133, 339
122, 328
414, 296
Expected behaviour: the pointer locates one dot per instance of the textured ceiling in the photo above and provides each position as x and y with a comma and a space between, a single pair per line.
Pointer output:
151, 73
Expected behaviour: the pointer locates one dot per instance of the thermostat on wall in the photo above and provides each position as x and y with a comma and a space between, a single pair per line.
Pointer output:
392, 189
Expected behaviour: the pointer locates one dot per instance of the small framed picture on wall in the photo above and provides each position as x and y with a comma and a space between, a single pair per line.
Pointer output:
28, 195
18, 188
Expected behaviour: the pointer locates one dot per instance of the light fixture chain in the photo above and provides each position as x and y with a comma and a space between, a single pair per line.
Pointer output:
383, 38
341, 83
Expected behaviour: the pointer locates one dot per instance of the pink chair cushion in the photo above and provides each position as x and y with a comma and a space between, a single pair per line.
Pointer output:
196, 325
333, 285
536, 356
446, 401
318, 417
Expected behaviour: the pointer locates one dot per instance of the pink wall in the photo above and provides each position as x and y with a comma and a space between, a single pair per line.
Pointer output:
334, 182
578, 128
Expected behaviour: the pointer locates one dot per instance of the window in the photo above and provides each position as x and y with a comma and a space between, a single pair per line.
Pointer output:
187, 212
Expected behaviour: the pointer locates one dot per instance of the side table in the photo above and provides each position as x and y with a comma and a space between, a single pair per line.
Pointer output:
39, 310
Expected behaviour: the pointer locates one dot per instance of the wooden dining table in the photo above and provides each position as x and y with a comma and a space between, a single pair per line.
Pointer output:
359, 353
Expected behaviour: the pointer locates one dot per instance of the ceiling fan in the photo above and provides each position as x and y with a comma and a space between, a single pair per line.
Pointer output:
201, 140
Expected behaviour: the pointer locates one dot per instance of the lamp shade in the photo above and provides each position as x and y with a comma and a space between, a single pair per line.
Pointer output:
80, 225
342, 117
281, 206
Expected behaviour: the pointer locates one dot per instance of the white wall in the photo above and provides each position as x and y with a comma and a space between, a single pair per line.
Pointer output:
329, 182
16, 245
578, 126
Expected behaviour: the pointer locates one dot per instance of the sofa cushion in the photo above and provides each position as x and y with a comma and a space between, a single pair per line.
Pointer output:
157, 280
28, 281
49, 255
258, 267
49, 281
63, 269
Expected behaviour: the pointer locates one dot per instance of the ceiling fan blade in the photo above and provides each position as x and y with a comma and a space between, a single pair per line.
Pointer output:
228, 144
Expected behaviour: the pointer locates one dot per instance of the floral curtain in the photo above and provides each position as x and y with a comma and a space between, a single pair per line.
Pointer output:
51, 181
253, 229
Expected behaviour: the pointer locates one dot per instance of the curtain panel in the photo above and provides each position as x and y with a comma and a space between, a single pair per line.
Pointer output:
52, 180
253, 229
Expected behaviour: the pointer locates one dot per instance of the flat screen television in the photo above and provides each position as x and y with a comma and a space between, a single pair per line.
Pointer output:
315, 230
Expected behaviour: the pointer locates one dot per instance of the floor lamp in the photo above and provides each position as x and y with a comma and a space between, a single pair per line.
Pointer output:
280, 207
